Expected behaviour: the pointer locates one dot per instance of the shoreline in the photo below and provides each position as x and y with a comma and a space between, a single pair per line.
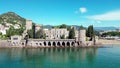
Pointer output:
101, 43
95, 46
109, 42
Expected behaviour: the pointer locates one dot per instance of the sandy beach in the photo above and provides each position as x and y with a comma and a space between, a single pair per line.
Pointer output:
111, 42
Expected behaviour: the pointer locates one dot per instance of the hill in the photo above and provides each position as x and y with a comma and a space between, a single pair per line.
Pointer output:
12, 18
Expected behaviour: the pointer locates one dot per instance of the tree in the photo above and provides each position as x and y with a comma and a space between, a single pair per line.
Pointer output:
40, 34
30, 33
60, 26
63, 26
81, 27
71, 34
0, 33
62, 37
68, 28
111, 34
90, 32
33, 29
10, 32
26, 40
13, 31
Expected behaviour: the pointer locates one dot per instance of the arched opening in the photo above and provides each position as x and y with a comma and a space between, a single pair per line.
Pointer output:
63, 44
78, 43
44, 43
22, 43
36, 43
40, 44
49, 44
72, 43
68, 44
54, 44
58, 43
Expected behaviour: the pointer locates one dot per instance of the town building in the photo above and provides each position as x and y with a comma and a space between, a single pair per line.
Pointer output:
16, 26
56, 33
17, 40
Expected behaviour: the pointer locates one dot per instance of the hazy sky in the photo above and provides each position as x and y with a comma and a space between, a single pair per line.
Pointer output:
71, 12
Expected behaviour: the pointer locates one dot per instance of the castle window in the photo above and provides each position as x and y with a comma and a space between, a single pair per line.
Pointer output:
36, 43
15, 38
22, 43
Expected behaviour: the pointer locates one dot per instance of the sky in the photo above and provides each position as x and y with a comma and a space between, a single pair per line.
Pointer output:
99, 13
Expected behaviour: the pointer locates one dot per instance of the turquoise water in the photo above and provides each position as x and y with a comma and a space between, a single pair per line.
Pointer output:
60, 58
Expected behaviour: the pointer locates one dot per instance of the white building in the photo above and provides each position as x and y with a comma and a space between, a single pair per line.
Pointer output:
16, 40
56, 33
2, 29
16, 26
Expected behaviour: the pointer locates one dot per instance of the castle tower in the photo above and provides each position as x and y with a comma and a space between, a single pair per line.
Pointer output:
82, 37
28, 27
28, 24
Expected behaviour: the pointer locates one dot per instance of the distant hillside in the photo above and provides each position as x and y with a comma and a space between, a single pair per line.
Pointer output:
47, 26
12, 18
105, 28
96, 28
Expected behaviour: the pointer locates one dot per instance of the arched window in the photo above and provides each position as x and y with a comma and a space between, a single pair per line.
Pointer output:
63, 44
58, 43
68, 43
54, 44
49, 44
72, 43
44, 43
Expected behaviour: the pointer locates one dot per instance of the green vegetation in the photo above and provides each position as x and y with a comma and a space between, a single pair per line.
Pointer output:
81, 27
62, 37
33, 29
71, 34
90, 32
40, 34
111, 34
3, 37
30, 33
12, 18
13, 31
63, 26
60, 26
36, 35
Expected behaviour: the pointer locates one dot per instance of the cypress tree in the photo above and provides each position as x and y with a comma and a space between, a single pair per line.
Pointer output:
71, 33
90, 32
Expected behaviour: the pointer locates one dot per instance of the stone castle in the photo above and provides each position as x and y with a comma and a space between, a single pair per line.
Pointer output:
53, 38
